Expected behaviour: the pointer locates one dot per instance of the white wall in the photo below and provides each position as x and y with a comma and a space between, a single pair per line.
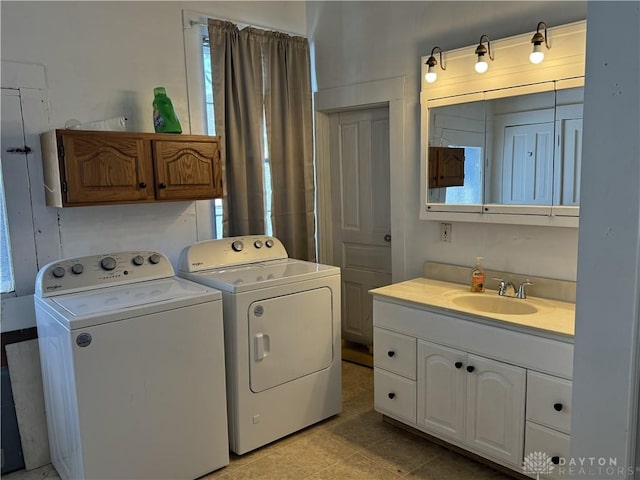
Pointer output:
356, 42
102, 60
607, 348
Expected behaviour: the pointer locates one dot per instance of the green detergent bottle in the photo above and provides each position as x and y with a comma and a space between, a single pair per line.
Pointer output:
165, 119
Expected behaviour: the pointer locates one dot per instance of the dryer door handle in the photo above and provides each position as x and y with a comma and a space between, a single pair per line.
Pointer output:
262, 345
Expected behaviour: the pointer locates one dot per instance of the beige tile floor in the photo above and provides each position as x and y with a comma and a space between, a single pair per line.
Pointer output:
354, 445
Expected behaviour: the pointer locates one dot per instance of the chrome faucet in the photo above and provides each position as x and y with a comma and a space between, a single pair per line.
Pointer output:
519, 292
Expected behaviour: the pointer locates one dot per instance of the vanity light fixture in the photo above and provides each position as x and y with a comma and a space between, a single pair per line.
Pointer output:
432, 75
538, 54
482, 65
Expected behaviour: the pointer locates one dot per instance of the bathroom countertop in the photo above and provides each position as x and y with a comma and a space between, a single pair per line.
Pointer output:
552, 316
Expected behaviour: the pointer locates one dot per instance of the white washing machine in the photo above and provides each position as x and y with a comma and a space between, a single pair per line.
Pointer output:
133, 369
282, 335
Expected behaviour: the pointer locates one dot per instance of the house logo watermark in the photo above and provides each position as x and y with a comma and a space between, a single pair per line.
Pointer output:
542, 464
537, 463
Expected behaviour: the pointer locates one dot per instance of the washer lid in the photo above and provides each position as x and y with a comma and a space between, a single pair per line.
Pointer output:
112, 299
262, 275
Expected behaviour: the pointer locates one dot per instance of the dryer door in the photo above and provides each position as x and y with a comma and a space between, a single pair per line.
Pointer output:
290, 336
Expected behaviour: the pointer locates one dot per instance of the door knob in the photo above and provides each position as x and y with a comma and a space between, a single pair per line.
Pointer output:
391, 395
458, 365
387, 238
470, 368
163, 185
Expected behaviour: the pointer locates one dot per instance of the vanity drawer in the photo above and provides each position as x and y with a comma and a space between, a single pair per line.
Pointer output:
394, 395
549, 401
394, 352
543, 440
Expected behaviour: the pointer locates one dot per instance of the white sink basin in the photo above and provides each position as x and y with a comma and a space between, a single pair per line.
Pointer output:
495, 304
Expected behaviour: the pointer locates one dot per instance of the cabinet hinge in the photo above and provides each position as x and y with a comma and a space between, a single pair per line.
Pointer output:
61, 151
64, 187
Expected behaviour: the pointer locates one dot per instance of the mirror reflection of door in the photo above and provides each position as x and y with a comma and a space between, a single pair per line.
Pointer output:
527, 168
361, 214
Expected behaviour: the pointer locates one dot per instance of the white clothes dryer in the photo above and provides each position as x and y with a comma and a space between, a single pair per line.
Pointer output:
133, 369
282, 335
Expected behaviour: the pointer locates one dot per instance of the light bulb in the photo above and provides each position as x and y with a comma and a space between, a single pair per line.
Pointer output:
537, 56
431, 75
481, 66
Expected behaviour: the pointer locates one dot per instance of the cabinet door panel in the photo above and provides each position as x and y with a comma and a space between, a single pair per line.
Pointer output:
495, 409
187, 170
102, 168
441, 390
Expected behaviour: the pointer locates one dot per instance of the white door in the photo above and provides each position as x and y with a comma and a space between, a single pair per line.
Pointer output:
441, 390
571, 148
528, 164
361, 214
495, 408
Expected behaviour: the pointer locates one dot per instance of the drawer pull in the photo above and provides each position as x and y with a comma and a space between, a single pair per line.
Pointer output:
555, 460
142, 185
458, 365
163, 185
391, 396
557, 407
391, 353
470, 368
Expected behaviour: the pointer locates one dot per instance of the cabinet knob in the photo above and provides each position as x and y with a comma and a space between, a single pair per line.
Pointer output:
392, 395
470, 368
391, 353
555, 460
142, 185
458, 365
557, 407
163, 185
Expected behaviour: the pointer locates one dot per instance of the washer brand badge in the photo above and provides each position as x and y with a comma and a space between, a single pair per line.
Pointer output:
196, 264
83, 340
52, 287
258, 311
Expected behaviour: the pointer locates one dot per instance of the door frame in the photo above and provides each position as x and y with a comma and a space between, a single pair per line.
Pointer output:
379, 93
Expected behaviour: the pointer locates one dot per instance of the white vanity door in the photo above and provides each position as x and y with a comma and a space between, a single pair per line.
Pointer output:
495, 408
441, 390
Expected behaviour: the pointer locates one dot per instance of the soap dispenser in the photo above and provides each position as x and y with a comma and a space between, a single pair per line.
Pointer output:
477, 277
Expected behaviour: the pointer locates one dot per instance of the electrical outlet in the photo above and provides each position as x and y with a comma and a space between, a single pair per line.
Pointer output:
445, 232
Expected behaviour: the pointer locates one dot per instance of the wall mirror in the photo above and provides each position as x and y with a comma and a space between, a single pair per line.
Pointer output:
516, 150
506, 147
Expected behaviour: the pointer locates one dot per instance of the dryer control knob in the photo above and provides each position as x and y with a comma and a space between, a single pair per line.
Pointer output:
154, 258
138, 260
108, 263
257, 244
77, 268
58, 272
269, 243
237, 246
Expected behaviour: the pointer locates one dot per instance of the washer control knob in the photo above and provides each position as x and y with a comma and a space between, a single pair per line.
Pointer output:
237, 246
154, 258
108, 263
58, 272
137, 260
269, 243
257, 244
77, 268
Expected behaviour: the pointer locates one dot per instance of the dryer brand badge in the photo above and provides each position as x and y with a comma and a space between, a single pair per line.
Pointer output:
83, 340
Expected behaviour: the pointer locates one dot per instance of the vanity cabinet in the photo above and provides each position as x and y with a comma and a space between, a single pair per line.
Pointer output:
474, 401
98, 167
495, 391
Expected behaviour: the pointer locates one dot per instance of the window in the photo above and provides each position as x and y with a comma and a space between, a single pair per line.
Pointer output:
211, 130
6, 267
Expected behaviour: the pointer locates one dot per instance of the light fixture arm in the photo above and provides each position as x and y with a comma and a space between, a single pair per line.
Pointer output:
432, 62
538, 37
482, 50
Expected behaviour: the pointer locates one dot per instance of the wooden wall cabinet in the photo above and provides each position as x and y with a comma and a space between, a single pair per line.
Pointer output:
98, 168
446, 167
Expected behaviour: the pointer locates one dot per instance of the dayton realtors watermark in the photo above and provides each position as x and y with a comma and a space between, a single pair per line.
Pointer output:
540, 463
